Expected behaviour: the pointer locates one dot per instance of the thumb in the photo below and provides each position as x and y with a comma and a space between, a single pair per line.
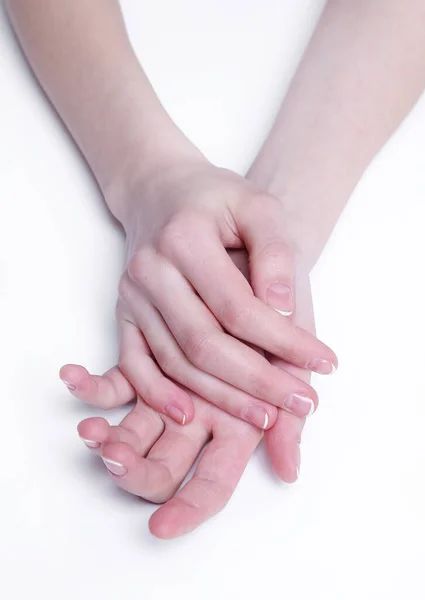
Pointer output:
271, 260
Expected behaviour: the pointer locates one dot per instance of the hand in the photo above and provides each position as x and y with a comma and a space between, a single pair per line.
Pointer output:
149, 455
156, 454
182, 301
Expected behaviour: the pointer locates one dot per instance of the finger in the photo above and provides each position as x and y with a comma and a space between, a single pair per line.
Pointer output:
140, 429
283, 446
213, 351
262, 227
138, 367
216, 476
173, 362
206, 265
106, 391
283, 441
157, 477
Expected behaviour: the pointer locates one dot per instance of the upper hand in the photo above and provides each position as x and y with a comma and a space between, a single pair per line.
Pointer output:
183, 305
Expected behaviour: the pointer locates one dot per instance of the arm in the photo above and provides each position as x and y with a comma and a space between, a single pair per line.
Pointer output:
82, 57
176, 318
361, 74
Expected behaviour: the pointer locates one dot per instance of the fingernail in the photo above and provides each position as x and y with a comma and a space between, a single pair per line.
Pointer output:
70, 386
115, 467
302, 406
257, 416
319, 365
176, 414
90, 443
279, 296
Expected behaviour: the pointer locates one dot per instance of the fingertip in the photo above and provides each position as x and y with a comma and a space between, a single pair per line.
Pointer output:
120, 453
94, 428
260, 416
323, 366
159, 529
179, 406
165, 523
73, 376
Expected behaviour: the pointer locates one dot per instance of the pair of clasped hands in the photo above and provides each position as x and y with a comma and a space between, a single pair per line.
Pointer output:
217, 343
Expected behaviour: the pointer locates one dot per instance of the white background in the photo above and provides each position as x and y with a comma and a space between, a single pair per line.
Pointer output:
353, 526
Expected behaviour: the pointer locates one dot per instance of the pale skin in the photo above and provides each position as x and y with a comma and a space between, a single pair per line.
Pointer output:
361, 74
178, 323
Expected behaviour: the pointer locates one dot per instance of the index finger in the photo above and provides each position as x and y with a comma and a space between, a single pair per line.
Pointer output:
224, 289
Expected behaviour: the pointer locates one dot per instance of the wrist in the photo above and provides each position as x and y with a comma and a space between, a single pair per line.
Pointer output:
146, 161
313, 191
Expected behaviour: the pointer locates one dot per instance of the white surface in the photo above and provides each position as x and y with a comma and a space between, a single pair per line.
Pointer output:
353, 526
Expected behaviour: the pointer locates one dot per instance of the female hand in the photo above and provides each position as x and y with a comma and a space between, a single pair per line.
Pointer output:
151, 455
184, 308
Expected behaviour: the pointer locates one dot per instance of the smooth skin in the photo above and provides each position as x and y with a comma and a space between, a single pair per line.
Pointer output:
183, 306
149, 455
361, 74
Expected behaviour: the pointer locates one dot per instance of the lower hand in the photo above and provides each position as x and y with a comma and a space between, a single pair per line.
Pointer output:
152, 455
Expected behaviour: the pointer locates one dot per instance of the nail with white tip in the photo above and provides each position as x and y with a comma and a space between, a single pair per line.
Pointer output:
321, 366
279, 297
90, 443
283, 313
257, 416
116, 468
175, 413
301, 406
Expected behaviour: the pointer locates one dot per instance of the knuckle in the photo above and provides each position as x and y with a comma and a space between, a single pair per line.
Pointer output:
235, 317
198, 347
276, 250
178, 236
169, 362
263, 388
173, 237
124, 291
124, 362
139, 267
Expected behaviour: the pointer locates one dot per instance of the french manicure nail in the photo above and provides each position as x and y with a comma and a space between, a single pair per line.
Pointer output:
90, 443
302, 406
70, 386
115, 467
257, 416
319, 365
175, 413
279, 296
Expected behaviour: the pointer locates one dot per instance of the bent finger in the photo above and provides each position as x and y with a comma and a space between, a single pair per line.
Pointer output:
106, 391
140, 369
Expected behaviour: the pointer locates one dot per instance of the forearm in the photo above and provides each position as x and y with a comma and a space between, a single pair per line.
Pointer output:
81, 54
361, 74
